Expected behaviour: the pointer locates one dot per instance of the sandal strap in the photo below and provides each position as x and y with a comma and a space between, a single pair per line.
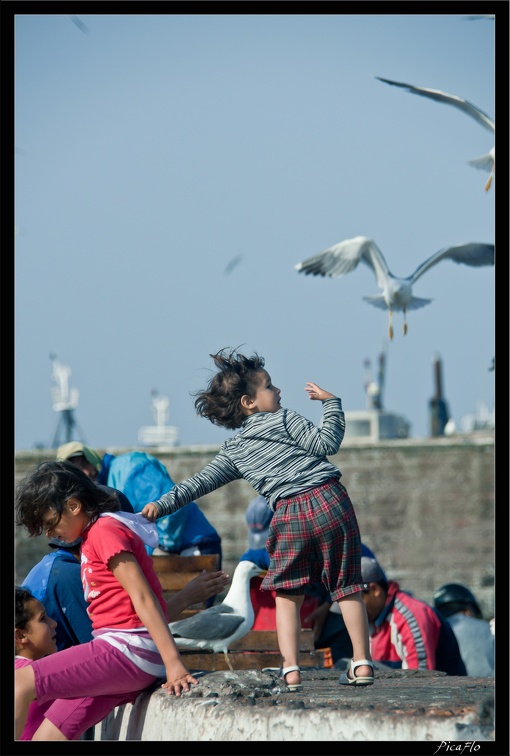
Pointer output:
361, 663
285, 670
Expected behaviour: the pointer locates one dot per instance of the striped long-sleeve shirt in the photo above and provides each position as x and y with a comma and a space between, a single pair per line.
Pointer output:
279, 453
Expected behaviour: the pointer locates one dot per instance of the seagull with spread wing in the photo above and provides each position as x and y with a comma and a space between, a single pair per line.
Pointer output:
217, 627
486, 162
397, 293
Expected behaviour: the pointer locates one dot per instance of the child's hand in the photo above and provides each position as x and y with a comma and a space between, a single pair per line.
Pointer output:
178, 680
315, 392
150, 512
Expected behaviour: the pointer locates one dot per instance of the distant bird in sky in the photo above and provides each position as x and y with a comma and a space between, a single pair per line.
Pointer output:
79, 23
232, 264
485, 162
217, 627
397, 293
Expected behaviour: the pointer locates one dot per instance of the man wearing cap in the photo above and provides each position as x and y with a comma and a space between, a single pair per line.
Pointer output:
406, 632
258, 518
90, 462
474, 634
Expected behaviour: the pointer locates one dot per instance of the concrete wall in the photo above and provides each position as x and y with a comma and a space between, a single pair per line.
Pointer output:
424, 506
241, 706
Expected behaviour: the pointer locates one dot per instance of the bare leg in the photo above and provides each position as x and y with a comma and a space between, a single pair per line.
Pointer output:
48, 731
390, 326
288, 629
356, 621
24, 695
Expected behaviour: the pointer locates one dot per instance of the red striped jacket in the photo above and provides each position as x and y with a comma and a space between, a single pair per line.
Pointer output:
406, 633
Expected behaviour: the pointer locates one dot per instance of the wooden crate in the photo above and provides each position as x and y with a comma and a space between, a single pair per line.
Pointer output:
258, 649
174, 572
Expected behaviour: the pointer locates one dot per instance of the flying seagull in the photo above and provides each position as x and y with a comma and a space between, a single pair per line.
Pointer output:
217, 627
79, 23
485, 162
232, 264
397, 293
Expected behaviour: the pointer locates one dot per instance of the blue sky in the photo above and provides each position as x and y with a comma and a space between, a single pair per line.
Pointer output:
153, 150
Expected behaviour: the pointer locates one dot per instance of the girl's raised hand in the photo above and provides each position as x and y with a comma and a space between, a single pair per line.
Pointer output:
315, 392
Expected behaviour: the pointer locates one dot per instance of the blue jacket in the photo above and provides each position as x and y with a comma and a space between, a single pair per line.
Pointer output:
476, 643
56, 582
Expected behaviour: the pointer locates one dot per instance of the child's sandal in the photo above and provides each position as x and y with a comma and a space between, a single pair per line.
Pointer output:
285, 671
365, 680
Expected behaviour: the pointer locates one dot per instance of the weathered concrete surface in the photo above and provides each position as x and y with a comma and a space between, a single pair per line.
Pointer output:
402, 705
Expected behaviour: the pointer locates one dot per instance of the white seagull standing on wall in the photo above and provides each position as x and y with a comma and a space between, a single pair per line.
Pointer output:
486, 162
397, 293
218, 626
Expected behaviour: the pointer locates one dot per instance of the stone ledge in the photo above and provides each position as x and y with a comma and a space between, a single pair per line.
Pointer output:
402, 705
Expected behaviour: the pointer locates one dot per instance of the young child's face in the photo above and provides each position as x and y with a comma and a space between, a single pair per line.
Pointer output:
70, 525
39, 638
267, 397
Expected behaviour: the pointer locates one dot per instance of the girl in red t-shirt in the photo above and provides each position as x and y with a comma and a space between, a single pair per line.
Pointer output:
132, 646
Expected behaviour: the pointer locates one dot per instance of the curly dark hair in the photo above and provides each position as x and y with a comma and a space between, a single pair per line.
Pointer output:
24, 612
236, 376
47, 488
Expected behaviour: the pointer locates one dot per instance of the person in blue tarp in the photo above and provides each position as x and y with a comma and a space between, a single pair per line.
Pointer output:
142, 477
137, 477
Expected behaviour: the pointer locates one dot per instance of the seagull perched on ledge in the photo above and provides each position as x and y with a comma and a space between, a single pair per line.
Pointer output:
397, 293
485, 162
217, 627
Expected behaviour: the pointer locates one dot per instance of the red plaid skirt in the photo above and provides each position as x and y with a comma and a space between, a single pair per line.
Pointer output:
314, 538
